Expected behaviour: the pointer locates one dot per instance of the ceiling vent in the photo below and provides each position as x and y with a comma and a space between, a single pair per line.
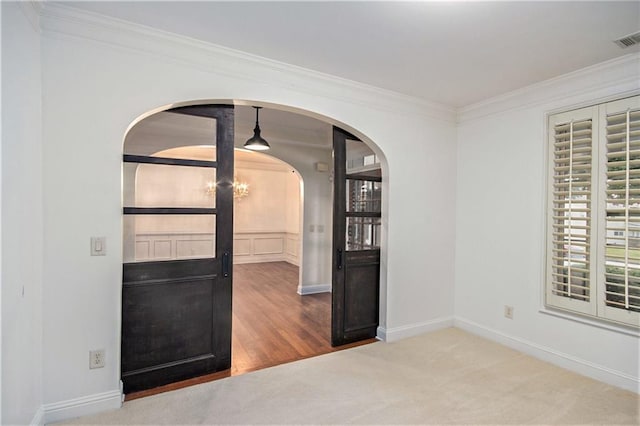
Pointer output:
629, 40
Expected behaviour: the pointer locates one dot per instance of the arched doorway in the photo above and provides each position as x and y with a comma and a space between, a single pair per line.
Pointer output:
324, 250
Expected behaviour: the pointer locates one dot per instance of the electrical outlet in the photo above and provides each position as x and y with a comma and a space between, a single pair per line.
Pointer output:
508, 311
96, 359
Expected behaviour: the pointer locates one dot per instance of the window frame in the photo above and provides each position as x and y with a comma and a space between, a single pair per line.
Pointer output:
595, 308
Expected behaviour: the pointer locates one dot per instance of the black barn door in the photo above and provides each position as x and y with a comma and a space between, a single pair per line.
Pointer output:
356, 240
176, 294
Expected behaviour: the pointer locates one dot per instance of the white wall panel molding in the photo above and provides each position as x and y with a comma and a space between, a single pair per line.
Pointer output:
594, 83
572, 363
402, 332
292, 248
249, 247
258, 247
268, 245
241, 247
63, 20
83, 406
166, 246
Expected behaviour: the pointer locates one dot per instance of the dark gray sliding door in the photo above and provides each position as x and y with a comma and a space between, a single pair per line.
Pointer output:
177, 275
356, 240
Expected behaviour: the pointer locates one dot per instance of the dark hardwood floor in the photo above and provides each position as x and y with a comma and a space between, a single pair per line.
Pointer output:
272, 323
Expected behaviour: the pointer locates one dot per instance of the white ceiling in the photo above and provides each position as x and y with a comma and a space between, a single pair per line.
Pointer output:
164, 130
279, 126
455, 53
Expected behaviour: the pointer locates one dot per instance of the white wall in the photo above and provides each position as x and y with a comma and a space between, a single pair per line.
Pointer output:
317, 206
500, 227
269, 216
99, 76
22, 211
265, 208
293, 193
293, 211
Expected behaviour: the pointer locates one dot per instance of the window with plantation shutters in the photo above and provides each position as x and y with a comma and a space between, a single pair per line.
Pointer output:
593, 241
572, 158
621, 245
572, 209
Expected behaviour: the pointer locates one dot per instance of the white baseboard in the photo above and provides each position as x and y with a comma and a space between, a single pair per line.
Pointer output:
38, 418
82, 406
313, 289
571, 363
397, 333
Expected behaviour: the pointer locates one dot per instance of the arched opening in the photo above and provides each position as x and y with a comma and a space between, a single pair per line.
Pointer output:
300, 143
267, 206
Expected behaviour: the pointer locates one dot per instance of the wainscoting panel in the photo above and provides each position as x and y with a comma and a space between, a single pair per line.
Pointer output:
162, 249
143, 250
272, 245
241, 247
257, 247
291, 248
174, 246
194, 248
248, 247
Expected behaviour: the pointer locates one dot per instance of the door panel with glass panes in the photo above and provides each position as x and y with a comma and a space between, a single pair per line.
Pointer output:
356, 240
178, 234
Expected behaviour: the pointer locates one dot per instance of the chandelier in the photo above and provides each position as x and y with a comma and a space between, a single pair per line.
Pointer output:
240, 189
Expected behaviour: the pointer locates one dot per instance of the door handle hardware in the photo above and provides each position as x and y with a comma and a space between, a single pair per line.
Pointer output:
339, 258
225, 264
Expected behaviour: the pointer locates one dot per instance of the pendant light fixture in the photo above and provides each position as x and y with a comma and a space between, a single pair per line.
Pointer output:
256, 142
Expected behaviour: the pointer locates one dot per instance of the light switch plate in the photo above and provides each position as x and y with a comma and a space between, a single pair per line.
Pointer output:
98, 246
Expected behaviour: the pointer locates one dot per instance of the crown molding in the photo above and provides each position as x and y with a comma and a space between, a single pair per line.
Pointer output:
61, 20
32, 10
621, 74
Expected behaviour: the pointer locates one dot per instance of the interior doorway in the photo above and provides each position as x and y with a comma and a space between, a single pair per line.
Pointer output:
300, 249
272, 323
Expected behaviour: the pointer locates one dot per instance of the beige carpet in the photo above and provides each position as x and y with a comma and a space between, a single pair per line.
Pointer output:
445, 377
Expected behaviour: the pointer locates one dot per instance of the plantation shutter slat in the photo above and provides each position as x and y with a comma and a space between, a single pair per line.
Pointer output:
571, 213
622, 199
622, 115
